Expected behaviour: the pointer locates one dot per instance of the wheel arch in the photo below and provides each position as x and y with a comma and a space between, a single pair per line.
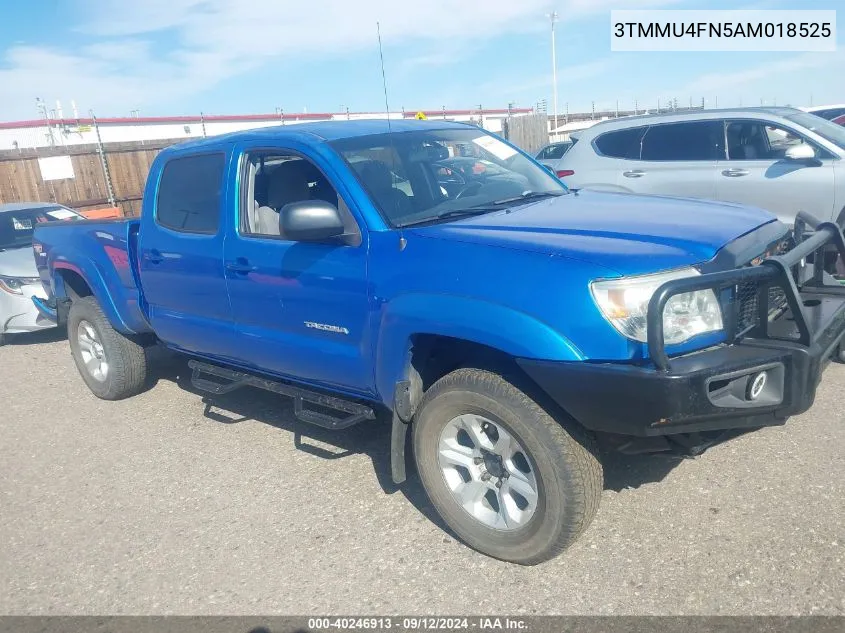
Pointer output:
73, 282
415, 326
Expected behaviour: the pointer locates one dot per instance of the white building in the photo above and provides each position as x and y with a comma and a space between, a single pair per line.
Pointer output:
59, 132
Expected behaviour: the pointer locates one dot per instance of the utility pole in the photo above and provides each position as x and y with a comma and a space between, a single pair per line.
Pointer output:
104, 163
553, 19
42, 110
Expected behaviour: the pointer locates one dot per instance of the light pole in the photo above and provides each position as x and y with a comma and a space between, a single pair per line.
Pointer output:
553, 19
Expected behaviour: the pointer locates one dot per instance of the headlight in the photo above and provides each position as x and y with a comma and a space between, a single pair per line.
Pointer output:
624, 302
13, 285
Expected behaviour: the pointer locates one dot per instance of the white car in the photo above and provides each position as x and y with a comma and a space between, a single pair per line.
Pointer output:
19, 280
552, 154
828, 112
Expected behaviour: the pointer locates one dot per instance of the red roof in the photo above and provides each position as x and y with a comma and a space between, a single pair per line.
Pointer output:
233, 118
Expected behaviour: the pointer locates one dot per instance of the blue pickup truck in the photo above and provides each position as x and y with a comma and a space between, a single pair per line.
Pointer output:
499, 324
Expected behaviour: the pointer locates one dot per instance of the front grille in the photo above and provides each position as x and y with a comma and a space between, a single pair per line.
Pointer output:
746, 305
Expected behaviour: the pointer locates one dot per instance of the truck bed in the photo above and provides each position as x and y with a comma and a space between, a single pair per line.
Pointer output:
102, 255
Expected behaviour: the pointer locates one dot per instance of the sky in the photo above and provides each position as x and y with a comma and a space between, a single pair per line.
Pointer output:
173, 57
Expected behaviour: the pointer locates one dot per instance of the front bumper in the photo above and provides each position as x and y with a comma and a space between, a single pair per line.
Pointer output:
709, 390
19, 314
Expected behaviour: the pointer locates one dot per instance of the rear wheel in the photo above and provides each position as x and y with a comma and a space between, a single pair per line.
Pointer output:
112, 365
501, 471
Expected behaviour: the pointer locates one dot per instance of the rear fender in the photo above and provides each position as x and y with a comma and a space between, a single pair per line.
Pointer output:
95, 280
502, 328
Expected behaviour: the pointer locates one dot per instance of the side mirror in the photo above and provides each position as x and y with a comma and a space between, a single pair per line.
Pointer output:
800, 152
310, 221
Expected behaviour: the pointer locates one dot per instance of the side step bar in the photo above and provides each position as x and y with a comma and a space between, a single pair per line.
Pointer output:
232, 380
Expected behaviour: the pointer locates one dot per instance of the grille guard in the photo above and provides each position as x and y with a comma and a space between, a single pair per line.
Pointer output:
776, 271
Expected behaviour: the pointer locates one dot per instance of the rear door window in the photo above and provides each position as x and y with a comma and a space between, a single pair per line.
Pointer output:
621, 143
189, 194
696, 140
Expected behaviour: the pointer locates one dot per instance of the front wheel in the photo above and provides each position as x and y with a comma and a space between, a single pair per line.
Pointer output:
113, 366
501, 472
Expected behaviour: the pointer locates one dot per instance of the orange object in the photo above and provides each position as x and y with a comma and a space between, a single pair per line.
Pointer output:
102, 214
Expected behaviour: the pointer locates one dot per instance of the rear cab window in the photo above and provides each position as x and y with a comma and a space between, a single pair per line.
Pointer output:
189, 193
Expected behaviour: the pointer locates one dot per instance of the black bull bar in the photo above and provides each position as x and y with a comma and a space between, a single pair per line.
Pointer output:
810, 321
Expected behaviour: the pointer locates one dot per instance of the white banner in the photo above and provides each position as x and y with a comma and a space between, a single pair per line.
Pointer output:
55, 168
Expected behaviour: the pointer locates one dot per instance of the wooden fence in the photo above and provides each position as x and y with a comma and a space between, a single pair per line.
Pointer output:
530, 133
128, 163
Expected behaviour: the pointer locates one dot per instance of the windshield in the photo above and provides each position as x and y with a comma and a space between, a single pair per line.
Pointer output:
417, 177
824, 128
16, 227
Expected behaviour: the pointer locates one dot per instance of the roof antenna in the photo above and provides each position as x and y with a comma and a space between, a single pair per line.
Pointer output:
402, 241
383, 77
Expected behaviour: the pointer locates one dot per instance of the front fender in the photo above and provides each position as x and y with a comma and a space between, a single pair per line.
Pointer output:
508, 330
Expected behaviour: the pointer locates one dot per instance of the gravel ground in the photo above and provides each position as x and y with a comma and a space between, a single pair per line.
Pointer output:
155, 506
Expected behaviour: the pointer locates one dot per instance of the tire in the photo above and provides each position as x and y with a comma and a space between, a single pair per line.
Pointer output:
567, 474
2, 340
125, 361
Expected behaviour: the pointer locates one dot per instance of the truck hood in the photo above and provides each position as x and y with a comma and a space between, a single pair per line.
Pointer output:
18, 262
625, 233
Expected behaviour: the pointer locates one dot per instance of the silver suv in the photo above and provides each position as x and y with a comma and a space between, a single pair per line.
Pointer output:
780, 159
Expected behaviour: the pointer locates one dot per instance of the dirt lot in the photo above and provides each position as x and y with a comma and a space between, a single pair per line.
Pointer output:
153, 505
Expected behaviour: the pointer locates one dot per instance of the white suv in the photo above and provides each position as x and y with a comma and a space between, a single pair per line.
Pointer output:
780, 159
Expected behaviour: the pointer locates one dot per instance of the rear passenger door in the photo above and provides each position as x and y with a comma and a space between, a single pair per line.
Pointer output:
677, 159
181, 255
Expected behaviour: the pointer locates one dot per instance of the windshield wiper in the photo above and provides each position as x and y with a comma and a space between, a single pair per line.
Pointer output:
528, 195
487, 207
454, 213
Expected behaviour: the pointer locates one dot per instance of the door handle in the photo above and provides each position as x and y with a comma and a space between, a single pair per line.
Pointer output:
735, 173
240, 266
634, 173
153, 256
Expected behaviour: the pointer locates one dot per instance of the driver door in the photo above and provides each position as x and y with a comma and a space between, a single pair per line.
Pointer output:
300, 309
756, 172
